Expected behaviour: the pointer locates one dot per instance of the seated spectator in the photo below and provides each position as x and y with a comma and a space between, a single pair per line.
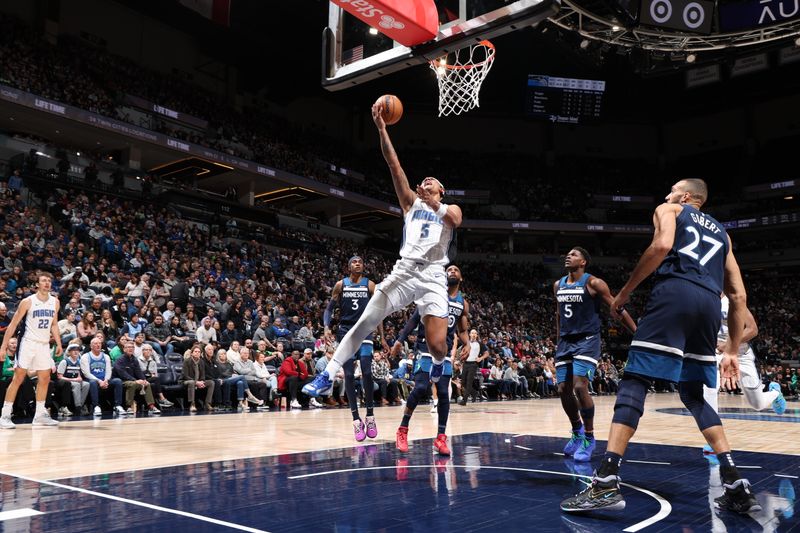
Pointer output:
245, 368
158, 336
66, 328
229, 335
71, 383
87, 328
278, 331
382, 376
211, 371
230, 379
306, 333
127, 369
206, 333
291, 378
194, 377
189, 323
149, 368
179, 338
233, 352
135, 326
109, 327
263, 375
96, 367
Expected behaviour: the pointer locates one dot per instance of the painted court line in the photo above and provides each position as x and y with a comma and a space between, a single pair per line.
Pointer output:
785, 475
663, 512
523, 447
646, 462
139, 504
750, 467
18, 513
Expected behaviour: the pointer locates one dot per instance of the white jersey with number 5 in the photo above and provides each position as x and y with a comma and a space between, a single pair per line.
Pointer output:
425, 236
722, 336
38, 323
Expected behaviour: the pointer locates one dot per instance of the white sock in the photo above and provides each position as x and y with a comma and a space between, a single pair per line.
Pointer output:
40, 410
7, 407
435, 402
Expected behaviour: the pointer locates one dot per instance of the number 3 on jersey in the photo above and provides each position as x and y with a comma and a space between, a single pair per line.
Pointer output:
690, 248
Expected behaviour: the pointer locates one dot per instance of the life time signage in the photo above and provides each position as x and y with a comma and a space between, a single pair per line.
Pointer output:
756, 14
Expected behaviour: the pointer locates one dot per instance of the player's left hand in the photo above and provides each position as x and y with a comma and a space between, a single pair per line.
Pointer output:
729, 370
619, 303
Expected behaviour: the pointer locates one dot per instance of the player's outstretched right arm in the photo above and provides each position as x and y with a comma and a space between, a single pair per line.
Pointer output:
11, 330
404, 193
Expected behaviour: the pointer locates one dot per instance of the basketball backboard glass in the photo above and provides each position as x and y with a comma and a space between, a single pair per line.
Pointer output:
354, 52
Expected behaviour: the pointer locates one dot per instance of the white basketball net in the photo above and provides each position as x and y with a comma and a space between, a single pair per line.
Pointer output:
460, 76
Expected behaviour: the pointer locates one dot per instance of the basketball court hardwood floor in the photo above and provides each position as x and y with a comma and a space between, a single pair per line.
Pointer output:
302, 470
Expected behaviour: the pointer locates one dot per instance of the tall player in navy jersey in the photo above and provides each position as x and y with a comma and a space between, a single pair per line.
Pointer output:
693, 259
429, 227
457, 323
578, 298
38, 317
352, 294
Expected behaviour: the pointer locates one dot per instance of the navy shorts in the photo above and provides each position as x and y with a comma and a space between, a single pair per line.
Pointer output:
366, 346
677, 337
577, 355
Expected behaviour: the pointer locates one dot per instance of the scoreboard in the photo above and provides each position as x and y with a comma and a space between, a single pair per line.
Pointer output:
566, 100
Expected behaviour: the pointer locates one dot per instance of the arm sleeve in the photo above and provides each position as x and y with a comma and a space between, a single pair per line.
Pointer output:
412, 323
326, 316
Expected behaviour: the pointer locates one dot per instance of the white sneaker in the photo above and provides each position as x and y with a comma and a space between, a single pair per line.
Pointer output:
44, 420
315, 403
296, 405
98, 411
64, 412
118, 409
130, 412
6, 423
435, 408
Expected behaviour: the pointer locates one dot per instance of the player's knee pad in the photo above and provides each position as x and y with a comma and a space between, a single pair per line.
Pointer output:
629, 406
691, 393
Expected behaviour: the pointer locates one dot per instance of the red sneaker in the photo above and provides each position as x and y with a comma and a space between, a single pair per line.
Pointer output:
441, 444
401, 439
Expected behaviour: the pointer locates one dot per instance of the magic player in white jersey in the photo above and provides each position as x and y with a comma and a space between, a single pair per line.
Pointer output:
419, 275
40, 314
749, 380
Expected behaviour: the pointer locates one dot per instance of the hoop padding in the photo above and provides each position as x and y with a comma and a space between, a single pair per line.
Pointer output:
460, 76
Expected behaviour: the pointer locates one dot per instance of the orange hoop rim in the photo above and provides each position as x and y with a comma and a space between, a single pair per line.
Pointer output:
489, 58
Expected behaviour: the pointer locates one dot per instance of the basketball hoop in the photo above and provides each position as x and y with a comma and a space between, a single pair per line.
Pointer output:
460, 75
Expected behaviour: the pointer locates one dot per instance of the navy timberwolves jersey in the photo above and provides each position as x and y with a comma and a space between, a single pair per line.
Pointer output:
699, 251
354, 299
577, 308
455, 310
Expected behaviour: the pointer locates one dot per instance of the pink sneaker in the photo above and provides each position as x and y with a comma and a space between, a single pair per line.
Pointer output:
372, 427
358, 430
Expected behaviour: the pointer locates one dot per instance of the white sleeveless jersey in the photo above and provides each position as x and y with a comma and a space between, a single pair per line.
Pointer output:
425, 236
722, 336
39, 320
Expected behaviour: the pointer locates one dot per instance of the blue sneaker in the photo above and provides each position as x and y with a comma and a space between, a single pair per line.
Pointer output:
574, 442
779, 403
709, 455
320, 386
436, 372
786, 490
584, 453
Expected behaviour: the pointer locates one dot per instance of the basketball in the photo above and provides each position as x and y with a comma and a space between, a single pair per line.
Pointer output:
392, 108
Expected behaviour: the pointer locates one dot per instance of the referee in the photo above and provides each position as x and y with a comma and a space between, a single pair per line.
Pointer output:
477, 353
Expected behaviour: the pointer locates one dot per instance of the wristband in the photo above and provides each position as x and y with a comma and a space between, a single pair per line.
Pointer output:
442, 211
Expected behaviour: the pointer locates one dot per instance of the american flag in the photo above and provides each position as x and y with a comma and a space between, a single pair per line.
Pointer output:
352, 55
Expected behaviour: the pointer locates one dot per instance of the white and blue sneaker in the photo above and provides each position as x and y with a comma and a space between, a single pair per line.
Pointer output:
779, 403
436, 372
320, 386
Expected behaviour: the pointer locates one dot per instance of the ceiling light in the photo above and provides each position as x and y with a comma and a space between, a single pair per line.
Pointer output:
584, 44
691, 58
615, 28
788, 197
373, 31
797, 42
78, 154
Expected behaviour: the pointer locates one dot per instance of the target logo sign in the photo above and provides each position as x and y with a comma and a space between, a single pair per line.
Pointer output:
685, 15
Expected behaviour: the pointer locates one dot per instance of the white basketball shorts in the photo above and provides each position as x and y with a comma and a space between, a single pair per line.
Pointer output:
34, 355
422, 283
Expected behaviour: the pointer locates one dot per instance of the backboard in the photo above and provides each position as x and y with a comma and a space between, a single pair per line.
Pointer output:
354, 52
